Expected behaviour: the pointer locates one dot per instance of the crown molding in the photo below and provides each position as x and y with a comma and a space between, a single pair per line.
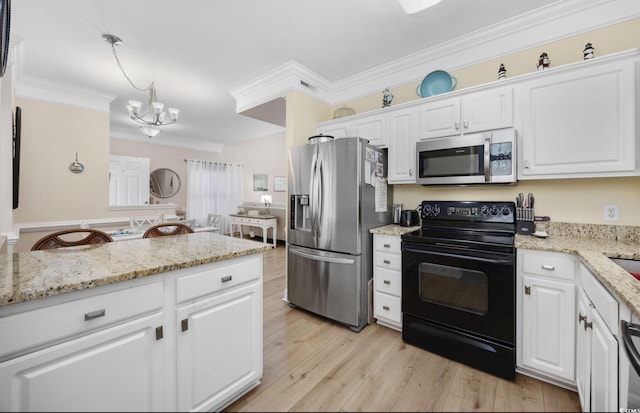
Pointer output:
554, 22
278, 82
168, 140
40, 89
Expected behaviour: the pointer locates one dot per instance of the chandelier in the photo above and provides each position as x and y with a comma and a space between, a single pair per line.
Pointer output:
154, 108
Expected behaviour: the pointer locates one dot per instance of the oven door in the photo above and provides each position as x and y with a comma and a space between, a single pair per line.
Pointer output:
469, 290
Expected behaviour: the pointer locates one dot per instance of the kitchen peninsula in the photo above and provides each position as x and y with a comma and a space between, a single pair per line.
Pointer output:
169, 323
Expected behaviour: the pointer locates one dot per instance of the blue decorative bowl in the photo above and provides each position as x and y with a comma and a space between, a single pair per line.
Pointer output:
435, 83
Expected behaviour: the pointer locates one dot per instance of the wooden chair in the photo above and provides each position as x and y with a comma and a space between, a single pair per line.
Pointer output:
160, 230
137, 222
55, 240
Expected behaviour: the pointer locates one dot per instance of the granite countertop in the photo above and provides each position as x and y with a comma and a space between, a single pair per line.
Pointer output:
31, 275
393, 229
595, 253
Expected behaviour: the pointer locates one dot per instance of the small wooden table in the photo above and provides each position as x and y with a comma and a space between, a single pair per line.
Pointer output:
263, 221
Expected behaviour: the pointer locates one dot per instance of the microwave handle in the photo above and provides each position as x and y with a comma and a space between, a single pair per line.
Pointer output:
487, 159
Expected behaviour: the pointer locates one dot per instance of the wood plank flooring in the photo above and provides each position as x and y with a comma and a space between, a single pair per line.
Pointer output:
314, 364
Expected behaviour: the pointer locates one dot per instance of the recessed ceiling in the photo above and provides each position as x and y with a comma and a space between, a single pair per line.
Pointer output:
196, 51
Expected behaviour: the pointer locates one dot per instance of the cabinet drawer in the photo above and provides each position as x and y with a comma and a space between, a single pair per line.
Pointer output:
548, 264
387, 306
388, 281
219, 276
389, 261
603, 301
49, 324
388, 243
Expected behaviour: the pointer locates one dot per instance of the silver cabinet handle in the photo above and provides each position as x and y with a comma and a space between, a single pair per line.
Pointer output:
386, 261
548, 267
226, 278
94, 314
387, 245
527, 290
466, 124
385, 307
581, 318
457, 125
387, 282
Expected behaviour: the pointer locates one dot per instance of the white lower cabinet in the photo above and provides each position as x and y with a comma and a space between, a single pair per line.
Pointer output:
184, 340
219, 348
387, 280
597, 347
117, 369
546, 319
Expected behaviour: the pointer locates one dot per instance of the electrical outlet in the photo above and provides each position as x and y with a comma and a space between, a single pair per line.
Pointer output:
611, 213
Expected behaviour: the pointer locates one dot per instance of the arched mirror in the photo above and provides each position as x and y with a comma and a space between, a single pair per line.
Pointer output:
164, 183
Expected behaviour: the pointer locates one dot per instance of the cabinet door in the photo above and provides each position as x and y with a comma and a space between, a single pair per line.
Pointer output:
579, 122
117, 369
548, 331
441, 118
604, 367
372, 128
583, 352
402, 146
487, 110
219, 347
337, 130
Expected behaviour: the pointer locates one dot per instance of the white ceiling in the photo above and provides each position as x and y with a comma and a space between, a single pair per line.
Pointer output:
197, 51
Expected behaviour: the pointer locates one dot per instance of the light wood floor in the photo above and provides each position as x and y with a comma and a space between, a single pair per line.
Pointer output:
313, 364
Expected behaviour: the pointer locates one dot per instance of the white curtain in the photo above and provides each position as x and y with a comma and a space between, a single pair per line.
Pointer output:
213, 188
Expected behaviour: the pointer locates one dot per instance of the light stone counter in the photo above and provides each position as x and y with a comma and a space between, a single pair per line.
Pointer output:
594, 253
31, 275
393, 229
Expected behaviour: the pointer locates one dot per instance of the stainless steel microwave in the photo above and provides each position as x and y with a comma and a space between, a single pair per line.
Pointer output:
479, 158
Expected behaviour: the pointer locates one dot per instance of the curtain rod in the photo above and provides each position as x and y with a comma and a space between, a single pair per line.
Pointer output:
211, 162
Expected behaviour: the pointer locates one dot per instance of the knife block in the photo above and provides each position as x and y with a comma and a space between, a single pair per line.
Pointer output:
524, 221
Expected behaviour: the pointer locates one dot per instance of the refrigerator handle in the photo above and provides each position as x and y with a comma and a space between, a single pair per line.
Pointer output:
333, 260
313, 195
320, 200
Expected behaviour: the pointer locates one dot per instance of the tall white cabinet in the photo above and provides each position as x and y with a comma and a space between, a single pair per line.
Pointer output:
387, 280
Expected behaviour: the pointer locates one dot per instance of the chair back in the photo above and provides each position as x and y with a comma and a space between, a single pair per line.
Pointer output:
137, 222
167, 228
213, 220
56, 240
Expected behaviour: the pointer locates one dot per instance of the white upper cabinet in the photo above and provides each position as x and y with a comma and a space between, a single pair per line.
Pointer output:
475, 112
402, 125
580, 121
371, 127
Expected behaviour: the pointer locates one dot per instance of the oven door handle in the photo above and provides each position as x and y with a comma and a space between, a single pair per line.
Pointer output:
629, 329
490, 260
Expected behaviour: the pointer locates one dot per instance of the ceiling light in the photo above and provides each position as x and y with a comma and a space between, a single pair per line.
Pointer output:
154, 108
414, 6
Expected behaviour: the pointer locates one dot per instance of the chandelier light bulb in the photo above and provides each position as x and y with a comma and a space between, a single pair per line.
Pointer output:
135, 107
150, 132
173, 114
157, 107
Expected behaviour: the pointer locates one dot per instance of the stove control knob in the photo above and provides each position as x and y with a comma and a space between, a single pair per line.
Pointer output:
505, 211
494, 210
484, 210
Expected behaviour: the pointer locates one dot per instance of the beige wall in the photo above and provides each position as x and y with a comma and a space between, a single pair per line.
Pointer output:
51, 136
564, 200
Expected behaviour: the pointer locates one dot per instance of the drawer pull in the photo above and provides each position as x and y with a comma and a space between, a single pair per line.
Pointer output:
527, 290
94, 314
184, 324
226, 278
581, 318
387, 245
548, 267
387, 282
159, 333
385, 307
387, 262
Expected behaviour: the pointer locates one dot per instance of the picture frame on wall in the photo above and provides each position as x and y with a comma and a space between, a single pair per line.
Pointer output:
260, 182
279, 183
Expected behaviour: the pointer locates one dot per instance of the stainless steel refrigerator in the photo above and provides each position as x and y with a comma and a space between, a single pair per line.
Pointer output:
337, 193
